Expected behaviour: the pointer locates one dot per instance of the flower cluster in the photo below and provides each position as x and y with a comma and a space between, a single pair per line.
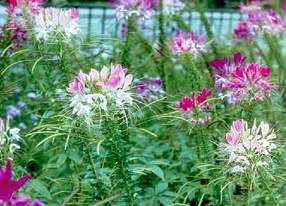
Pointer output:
9, 188
196, 107
245, 30
185, 42
237, 81
248, 148
51, 22
100, 91
16, 7
14, 33
8, 138
266, 21
139, 8
149, 90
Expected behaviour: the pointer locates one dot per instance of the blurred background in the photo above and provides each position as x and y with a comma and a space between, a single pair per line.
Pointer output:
208, 3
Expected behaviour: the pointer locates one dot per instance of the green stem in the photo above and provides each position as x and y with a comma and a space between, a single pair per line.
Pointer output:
118, 146
131, 29
207, 26
163, 47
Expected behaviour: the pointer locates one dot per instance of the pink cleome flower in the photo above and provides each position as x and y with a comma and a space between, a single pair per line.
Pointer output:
238, 81
186, 42
266, 21
77, 86
8, 186
237, 130
114, 78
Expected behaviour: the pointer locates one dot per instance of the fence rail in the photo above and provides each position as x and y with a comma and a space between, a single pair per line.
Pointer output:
100, 19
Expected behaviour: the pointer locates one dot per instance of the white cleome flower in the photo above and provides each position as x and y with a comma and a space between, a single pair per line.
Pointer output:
14, 134
51, 21
9, 138
84, 105
249, 147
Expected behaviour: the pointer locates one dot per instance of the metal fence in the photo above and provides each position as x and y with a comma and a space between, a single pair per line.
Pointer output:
100, 19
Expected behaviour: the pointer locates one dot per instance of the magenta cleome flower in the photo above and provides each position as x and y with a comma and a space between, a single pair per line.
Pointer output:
8, 186
250, 83
245, 31
240, 82
186, 42
224, 69
194, 108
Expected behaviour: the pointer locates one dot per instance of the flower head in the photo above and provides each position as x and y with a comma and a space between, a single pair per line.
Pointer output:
238, 81
245, 31
51, 21
30, 6
196, 105
8, 139
100, 91
185, 42
150, 90
8, 186
77, 86
248, 148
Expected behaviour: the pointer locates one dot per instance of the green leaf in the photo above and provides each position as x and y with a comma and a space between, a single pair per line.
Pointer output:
39, 187
165, 201
160, 187
74, 156
157, 171
61, 160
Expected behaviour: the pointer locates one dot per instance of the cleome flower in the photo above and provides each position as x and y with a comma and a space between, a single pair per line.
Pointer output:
9, 138
100, 91
268, 21
149, 90
8, 186
259, 21
186, 42
245, 31
16, 7
195, 108
51, 22
238, 82
248, 148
